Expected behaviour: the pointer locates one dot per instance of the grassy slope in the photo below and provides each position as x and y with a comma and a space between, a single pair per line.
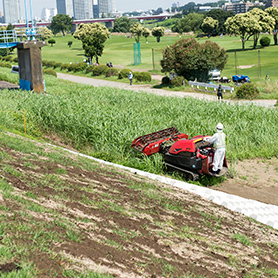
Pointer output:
104, 121
66, 216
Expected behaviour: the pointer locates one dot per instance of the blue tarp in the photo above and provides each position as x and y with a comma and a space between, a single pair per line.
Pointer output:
240, 78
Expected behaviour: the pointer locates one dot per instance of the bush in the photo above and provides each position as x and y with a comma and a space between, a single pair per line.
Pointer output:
90, 69
5, 65
3, 52
44, 62
50, 72
178, 81
69, 43
51, 41
142, 76
65, 66
57, 65
165, 80
247, 91
112, 72
15, 59
49, 64
9, 58
100, 70
80, 66
124, 73
265, 41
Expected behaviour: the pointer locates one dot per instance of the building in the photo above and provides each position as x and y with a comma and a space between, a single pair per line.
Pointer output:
239, 8
106, 6
81, 9
65, 7
11, 11
271, 3
47, 14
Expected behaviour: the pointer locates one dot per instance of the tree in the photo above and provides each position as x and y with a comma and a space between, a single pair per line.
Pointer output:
265, 21
61, 23
10, 27
209, 24
69, 43
191, 22
45, 33
250, 24
192, 60
93, 36
241, 25
158, 32
146, 33
137, 30
51, 41
273, 12
122, 24
221, 16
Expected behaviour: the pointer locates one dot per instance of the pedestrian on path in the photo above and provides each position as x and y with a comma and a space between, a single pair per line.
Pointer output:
218, 141
130, 76
219, 93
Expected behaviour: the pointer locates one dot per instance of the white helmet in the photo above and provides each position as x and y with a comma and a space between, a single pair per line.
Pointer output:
219, 126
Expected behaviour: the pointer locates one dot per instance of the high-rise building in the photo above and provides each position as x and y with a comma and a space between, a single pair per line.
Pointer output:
107, 6
95, 9
65, 7
11, 11
47, 14
81, 9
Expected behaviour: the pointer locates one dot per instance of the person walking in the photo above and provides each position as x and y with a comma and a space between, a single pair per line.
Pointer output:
130, 76
219, 93
218, 141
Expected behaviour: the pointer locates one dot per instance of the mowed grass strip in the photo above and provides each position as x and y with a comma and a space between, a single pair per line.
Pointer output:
138, 228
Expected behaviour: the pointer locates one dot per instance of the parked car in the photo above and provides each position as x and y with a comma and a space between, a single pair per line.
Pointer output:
215, 74
15, 69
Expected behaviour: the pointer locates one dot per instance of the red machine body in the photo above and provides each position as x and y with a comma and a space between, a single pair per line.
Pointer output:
193, 157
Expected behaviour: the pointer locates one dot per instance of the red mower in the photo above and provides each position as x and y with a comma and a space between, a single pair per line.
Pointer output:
191, 157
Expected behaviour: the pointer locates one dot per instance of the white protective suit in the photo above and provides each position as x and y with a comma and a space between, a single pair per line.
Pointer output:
218, 141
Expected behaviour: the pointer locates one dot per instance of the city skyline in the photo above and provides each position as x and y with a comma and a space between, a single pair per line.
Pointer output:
121, 5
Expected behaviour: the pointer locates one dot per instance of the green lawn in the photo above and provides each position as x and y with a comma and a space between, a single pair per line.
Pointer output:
119, 51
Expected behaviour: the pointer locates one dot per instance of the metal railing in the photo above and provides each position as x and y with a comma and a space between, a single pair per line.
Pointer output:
8, 36
207, 85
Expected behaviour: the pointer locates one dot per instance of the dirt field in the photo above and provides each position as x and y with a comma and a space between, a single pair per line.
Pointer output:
71, 215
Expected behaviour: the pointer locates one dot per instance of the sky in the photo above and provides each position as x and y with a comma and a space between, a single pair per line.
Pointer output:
121, 5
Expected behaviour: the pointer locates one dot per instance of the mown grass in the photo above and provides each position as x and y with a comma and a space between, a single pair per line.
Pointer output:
103, 121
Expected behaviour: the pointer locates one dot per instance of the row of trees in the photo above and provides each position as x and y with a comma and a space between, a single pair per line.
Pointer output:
252, 24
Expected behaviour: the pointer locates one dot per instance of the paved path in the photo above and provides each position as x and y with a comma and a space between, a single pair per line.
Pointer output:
161, 92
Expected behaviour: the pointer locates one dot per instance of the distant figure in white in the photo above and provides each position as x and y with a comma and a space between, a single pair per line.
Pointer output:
218, 141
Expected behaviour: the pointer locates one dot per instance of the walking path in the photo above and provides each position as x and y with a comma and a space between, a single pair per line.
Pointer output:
161, 92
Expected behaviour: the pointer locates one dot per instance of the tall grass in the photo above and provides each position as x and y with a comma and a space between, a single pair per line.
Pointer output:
104, 121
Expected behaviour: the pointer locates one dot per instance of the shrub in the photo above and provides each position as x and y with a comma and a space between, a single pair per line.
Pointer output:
49, 64
51, 41
178, 81
112, 72
5, 65
65, 66
143, 76
265, 41
15, 59
3, 52
80, 66
9, 58
165, 80
57, 65
247, 91
50, 72
100, 70
90, 69
69, 43
124, 73
44, 62
71, 67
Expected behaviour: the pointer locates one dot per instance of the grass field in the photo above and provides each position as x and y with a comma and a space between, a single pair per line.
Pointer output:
104, 121
119, 50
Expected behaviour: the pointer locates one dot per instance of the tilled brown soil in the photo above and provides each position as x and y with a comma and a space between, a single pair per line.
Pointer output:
79, 215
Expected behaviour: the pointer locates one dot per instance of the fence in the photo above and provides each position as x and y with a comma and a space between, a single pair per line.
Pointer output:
207, 85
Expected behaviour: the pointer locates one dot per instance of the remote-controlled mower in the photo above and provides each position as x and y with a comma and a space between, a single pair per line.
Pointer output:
191, 157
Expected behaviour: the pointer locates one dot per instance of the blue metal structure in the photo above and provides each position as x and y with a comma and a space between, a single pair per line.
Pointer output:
8, 38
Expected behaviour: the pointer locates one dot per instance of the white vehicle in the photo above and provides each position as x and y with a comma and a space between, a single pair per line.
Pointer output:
15, 69
215, 74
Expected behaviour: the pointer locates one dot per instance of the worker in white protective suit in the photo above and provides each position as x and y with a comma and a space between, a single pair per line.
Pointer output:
218, 141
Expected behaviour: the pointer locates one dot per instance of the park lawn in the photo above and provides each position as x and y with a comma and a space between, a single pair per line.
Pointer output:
119, 51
